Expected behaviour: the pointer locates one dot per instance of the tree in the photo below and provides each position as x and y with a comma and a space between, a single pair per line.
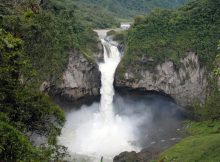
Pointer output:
23, 110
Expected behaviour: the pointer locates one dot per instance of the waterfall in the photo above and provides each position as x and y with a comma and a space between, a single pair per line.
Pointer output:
107, 68
96, 131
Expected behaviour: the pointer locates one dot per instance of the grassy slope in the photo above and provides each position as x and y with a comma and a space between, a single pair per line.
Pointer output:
202, 144
167, 35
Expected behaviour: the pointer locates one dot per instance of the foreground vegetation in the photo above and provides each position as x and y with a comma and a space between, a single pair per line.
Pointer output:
36, 38
22, 110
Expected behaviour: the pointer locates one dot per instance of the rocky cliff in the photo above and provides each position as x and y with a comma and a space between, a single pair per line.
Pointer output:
185, 85
81, 78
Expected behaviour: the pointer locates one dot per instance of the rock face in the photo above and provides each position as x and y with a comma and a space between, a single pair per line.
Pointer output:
185, 85
80, 79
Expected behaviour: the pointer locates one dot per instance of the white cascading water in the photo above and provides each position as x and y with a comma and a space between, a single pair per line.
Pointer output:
99, 132
111, 61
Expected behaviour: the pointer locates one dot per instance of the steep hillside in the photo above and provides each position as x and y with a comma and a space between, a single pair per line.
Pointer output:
131, 8
106, 13
90, 15
167, 35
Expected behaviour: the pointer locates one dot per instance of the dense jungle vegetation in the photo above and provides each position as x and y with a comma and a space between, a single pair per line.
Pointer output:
169, 34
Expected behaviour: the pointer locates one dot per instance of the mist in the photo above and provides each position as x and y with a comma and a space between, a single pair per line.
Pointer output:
139, 122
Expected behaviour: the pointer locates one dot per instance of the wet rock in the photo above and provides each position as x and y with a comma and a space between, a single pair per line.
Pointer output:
147, 154
144, 156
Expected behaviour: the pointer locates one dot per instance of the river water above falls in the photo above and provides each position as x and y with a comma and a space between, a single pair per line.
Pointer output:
117, 123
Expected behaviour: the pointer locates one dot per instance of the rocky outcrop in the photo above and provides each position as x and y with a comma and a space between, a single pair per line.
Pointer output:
126, 157
185, 85
143, 156
80, 79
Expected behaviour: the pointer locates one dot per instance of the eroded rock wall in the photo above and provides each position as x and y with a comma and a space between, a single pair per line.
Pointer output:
81, 78
185, 85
